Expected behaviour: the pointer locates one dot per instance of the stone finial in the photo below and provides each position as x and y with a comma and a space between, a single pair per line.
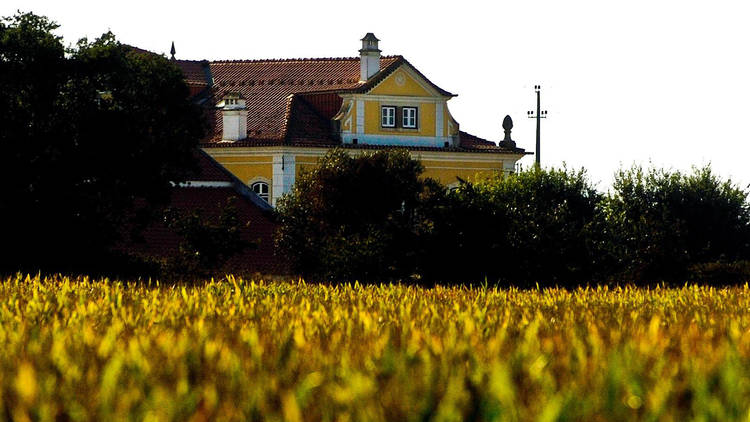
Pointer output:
172, 50
507, 126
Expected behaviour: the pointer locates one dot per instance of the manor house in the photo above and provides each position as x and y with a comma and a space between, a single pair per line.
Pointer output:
271, 119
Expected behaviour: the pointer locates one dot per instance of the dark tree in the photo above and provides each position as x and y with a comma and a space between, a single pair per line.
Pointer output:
664, 222
535, 226
206, 243
84, 134
357, 218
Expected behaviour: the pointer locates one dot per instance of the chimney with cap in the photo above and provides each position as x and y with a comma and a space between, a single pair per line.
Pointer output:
234, 117
369, 57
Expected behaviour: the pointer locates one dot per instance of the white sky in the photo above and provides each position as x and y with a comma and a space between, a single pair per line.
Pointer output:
664, 82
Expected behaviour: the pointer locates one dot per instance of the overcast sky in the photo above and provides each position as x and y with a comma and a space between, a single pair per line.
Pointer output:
662, 82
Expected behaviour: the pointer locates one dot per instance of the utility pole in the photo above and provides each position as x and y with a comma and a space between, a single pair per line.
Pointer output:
538, 116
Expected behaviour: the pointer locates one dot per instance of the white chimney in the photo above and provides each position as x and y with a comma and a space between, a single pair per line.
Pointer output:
234, 117
369, 57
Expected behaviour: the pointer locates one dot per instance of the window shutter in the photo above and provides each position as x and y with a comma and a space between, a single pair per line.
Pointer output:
399, 116
416, 117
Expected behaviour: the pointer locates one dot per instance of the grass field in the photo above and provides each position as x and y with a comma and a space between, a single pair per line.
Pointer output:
82, 349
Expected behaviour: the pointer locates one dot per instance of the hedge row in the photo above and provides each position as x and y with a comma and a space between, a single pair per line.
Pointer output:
373, 217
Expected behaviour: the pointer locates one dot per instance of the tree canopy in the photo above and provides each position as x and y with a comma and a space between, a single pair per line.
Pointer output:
664, 222
85, 132
535, 226
357, 217
374, 217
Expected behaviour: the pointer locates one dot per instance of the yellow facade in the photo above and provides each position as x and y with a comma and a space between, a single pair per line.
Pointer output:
402, 84
448, 172
253, 164
248, 167
399, 89
425, 119
450, 126
304, 163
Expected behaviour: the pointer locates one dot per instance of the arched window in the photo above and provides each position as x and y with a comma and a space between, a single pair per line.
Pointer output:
261, 188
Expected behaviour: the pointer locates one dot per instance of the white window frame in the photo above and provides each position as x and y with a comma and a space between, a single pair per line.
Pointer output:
388, 116
409, 117
260, 192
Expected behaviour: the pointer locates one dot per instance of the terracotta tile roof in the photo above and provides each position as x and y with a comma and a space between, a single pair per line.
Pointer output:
475, 143
385, 72
494, 149
292, 101
469, 140
484, 148
159, 241
327, 104
268, 87
138, 50
194, 71
197, 74
162, 242
306, 125
209, 171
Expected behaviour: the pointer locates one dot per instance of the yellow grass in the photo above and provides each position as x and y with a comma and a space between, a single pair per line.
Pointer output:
81, 349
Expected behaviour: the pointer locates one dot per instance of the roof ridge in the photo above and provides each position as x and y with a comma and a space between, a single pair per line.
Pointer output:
290, 99
297, 59
192, 61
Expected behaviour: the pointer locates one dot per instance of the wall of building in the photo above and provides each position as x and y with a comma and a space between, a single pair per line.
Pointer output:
248, 167
401, 82
360, 116
305, 162
425, 118
281, 166
448, 172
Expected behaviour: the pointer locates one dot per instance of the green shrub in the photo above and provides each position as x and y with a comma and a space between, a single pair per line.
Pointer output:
536, 226
663, 222
357, 217
719, 273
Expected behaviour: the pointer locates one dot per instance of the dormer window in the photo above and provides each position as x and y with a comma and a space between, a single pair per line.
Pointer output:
409, 117
388, 116
399, 117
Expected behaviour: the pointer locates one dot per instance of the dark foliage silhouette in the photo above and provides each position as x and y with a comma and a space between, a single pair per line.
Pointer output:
357, 217
535, 226
84, 133
663, 223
